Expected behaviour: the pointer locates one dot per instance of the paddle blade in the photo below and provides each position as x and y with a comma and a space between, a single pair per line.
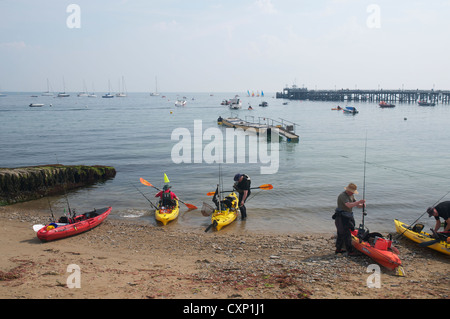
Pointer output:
190, 206
143, 181
266, 186
37, 227
399, 271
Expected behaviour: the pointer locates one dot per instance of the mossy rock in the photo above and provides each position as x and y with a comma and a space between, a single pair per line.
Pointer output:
28, 183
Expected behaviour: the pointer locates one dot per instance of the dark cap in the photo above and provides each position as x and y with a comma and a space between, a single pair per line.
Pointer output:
237, 176
430, 211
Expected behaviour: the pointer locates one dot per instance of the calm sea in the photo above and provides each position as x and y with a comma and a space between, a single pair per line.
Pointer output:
406, 152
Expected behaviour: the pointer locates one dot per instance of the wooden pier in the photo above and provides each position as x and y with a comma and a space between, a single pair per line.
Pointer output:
283, 128
408, 96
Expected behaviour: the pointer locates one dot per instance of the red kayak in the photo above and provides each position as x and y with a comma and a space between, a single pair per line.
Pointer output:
379, 249
77, 225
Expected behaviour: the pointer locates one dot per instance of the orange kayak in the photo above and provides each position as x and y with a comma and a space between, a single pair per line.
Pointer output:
379, 249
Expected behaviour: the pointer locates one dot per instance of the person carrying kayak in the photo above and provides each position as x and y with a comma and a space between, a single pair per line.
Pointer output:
441, 210
242, 184
344, 220
167, 197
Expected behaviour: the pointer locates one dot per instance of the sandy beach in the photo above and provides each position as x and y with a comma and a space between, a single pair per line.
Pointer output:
125, 260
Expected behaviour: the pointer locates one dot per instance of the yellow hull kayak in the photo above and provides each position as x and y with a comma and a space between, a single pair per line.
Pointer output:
167, 214
227, 215
421, 237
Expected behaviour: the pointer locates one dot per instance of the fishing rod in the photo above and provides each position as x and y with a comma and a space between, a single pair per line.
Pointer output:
144, 196
364, 184
51, 210
65, 192
421, 216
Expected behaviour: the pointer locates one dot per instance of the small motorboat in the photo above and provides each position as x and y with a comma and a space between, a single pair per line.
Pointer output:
350, 110
36, 105
180, 103
425, 103
383, 104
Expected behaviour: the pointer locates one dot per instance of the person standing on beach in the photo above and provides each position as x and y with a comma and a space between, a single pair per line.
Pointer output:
242, 184
344, 220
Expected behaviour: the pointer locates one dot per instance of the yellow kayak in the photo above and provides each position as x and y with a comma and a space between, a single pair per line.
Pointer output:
420, 236
166, 214
228, 214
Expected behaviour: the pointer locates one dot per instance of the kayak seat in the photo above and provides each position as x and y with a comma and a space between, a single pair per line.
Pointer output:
91, 214
417, 228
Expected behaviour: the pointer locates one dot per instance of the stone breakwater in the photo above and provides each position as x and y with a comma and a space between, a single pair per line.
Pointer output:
28, 183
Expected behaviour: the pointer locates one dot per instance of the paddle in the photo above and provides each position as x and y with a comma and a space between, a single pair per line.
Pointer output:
429, 243
264, 187
437, 239
146, 183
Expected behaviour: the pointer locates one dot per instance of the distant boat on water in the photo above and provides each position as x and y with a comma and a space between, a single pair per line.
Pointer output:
122, 92
236, 103
36, 105
63, 94
84, 93
425, 103
47, 93
108, 95
350, 110
383, 104
156, 88
92, 94
180, 103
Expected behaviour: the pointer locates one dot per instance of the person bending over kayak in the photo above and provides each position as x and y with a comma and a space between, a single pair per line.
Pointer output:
343, 218
167, 197
441, 210
242, 184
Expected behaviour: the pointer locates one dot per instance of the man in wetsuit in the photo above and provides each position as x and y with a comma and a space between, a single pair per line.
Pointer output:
242, 184
441, 210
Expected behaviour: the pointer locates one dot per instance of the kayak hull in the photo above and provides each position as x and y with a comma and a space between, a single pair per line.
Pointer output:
226, 216
380, 253
165, 215
421, 237
82, 224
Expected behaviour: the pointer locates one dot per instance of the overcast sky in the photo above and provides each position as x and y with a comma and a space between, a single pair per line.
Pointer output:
224, 45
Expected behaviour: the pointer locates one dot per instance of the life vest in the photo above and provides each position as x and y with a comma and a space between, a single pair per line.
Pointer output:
167, 198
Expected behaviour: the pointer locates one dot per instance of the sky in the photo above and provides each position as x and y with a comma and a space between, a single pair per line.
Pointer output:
223, 45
